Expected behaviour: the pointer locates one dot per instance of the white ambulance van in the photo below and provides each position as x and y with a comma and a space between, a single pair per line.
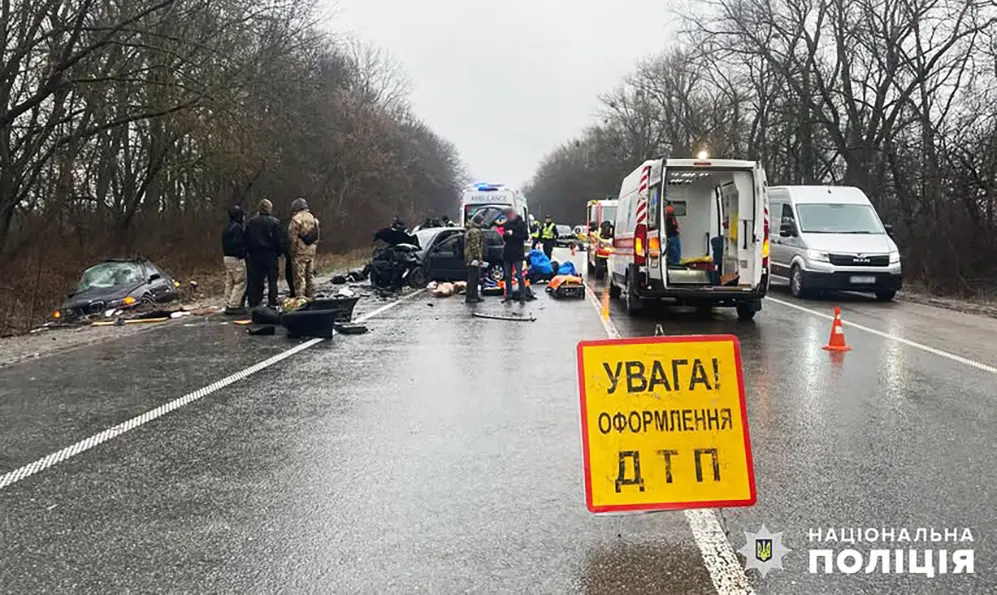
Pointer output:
483, 195
721, 210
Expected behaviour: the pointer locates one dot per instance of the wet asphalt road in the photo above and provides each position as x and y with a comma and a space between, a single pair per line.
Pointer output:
441, 453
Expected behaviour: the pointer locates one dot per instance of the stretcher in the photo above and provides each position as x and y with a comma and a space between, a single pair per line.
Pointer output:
566, 286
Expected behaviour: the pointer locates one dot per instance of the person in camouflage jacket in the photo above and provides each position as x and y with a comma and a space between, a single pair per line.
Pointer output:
474, 255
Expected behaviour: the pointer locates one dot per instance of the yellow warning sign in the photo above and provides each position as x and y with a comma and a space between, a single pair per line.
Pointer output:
664, 424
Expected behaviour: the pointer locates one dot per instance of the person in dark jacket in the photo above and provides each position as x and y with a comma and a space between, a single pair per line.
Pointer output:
234, 253
265, 243
515, 235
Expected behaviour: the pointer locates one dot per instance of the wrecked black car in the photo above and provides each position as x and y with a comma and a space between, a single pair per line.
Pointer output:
392, 264
432, 254
117, 285
444, 260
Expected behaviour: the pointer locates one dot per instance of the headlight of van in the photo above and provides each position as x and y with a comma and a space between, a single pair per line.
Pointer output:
894, 258
818, 256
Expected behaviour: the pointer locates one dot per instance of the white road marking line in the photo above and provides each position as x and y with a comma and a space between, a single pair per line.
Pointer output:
908, 342
84, 445
719, 558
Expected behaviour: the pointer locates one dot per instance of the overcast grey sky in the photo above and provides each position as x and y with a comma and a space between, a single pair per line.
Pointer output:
507, 80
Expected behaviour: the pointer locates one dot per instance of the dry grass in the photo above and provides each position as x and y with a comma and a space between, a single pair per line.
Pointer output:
334, 263
979, 295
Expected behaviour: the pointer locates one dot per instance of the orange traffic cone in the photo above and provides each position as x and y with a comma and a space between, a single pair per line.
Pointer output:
837, 340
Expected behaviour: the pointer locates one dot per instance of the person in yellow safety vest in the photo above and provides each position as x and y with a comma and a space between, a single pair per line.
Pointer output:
548, 236
535, 234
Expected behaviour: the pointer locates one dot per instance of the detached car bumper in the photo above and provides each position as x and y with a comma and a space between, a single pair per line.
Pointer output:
853, 281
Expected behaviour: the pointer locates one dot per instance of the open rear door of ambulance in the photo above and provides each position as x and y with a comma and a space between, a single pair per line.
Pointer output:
656, 261
751, 216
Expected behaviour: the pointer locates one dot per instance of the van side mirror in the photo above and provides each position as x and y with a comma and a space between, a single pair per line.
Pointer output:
154, 277
889, 229
788, 228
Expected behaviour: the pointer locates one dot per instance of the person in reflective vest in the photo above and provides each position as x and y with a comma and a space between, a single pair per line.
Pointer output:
535, 234
548, 236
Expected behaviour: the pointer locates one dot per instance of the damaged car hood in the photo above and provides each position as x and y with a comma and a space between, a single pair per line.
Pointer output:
395, 237
101, 296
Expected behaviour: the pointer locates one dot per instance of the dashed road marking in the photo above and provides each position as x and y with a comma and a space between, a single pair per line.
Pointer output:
927, 348
718, 554
84, 445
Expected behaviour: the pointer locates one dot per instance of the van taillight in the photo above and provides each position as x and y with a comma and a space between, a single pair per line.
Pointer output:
640, 241
765, 243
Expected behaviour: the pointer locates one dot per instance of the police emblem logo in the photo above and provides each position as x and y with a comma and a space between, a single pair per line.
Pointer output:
763, 551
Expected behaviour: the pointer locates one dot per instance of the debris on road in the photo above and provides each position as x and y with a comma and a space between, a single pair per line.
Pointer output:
309, 323
350, 328
511, 317
263, 330
265, 315
122, 321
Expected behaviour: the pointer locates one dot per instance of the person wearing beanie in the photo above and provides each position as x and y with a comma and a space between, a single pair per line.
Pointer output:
303, 236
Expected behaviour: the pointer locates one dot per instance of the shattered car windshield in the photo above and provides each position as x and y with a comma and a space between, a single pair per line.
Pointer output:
110, 274
425, 236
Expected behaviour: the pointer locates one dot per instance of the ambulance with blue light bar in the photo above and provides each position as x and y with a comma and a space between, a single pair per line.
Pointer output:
721, 210
481, 195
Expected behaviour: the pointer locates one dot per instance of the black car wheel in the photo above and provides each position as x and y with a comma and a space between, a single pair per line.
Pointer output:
417, 278
495, 272
796, 283
746, 311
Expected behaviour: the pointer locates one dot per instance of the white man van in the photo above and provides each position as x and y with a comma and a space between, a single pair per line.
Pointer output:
720, 210
831, 238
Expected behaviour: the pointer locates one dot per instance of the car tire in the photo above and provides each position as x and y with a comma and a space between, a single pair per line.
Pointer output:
495, 272
614, 291
797, 283
633, 304
746, 311
417, 278
886, 295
